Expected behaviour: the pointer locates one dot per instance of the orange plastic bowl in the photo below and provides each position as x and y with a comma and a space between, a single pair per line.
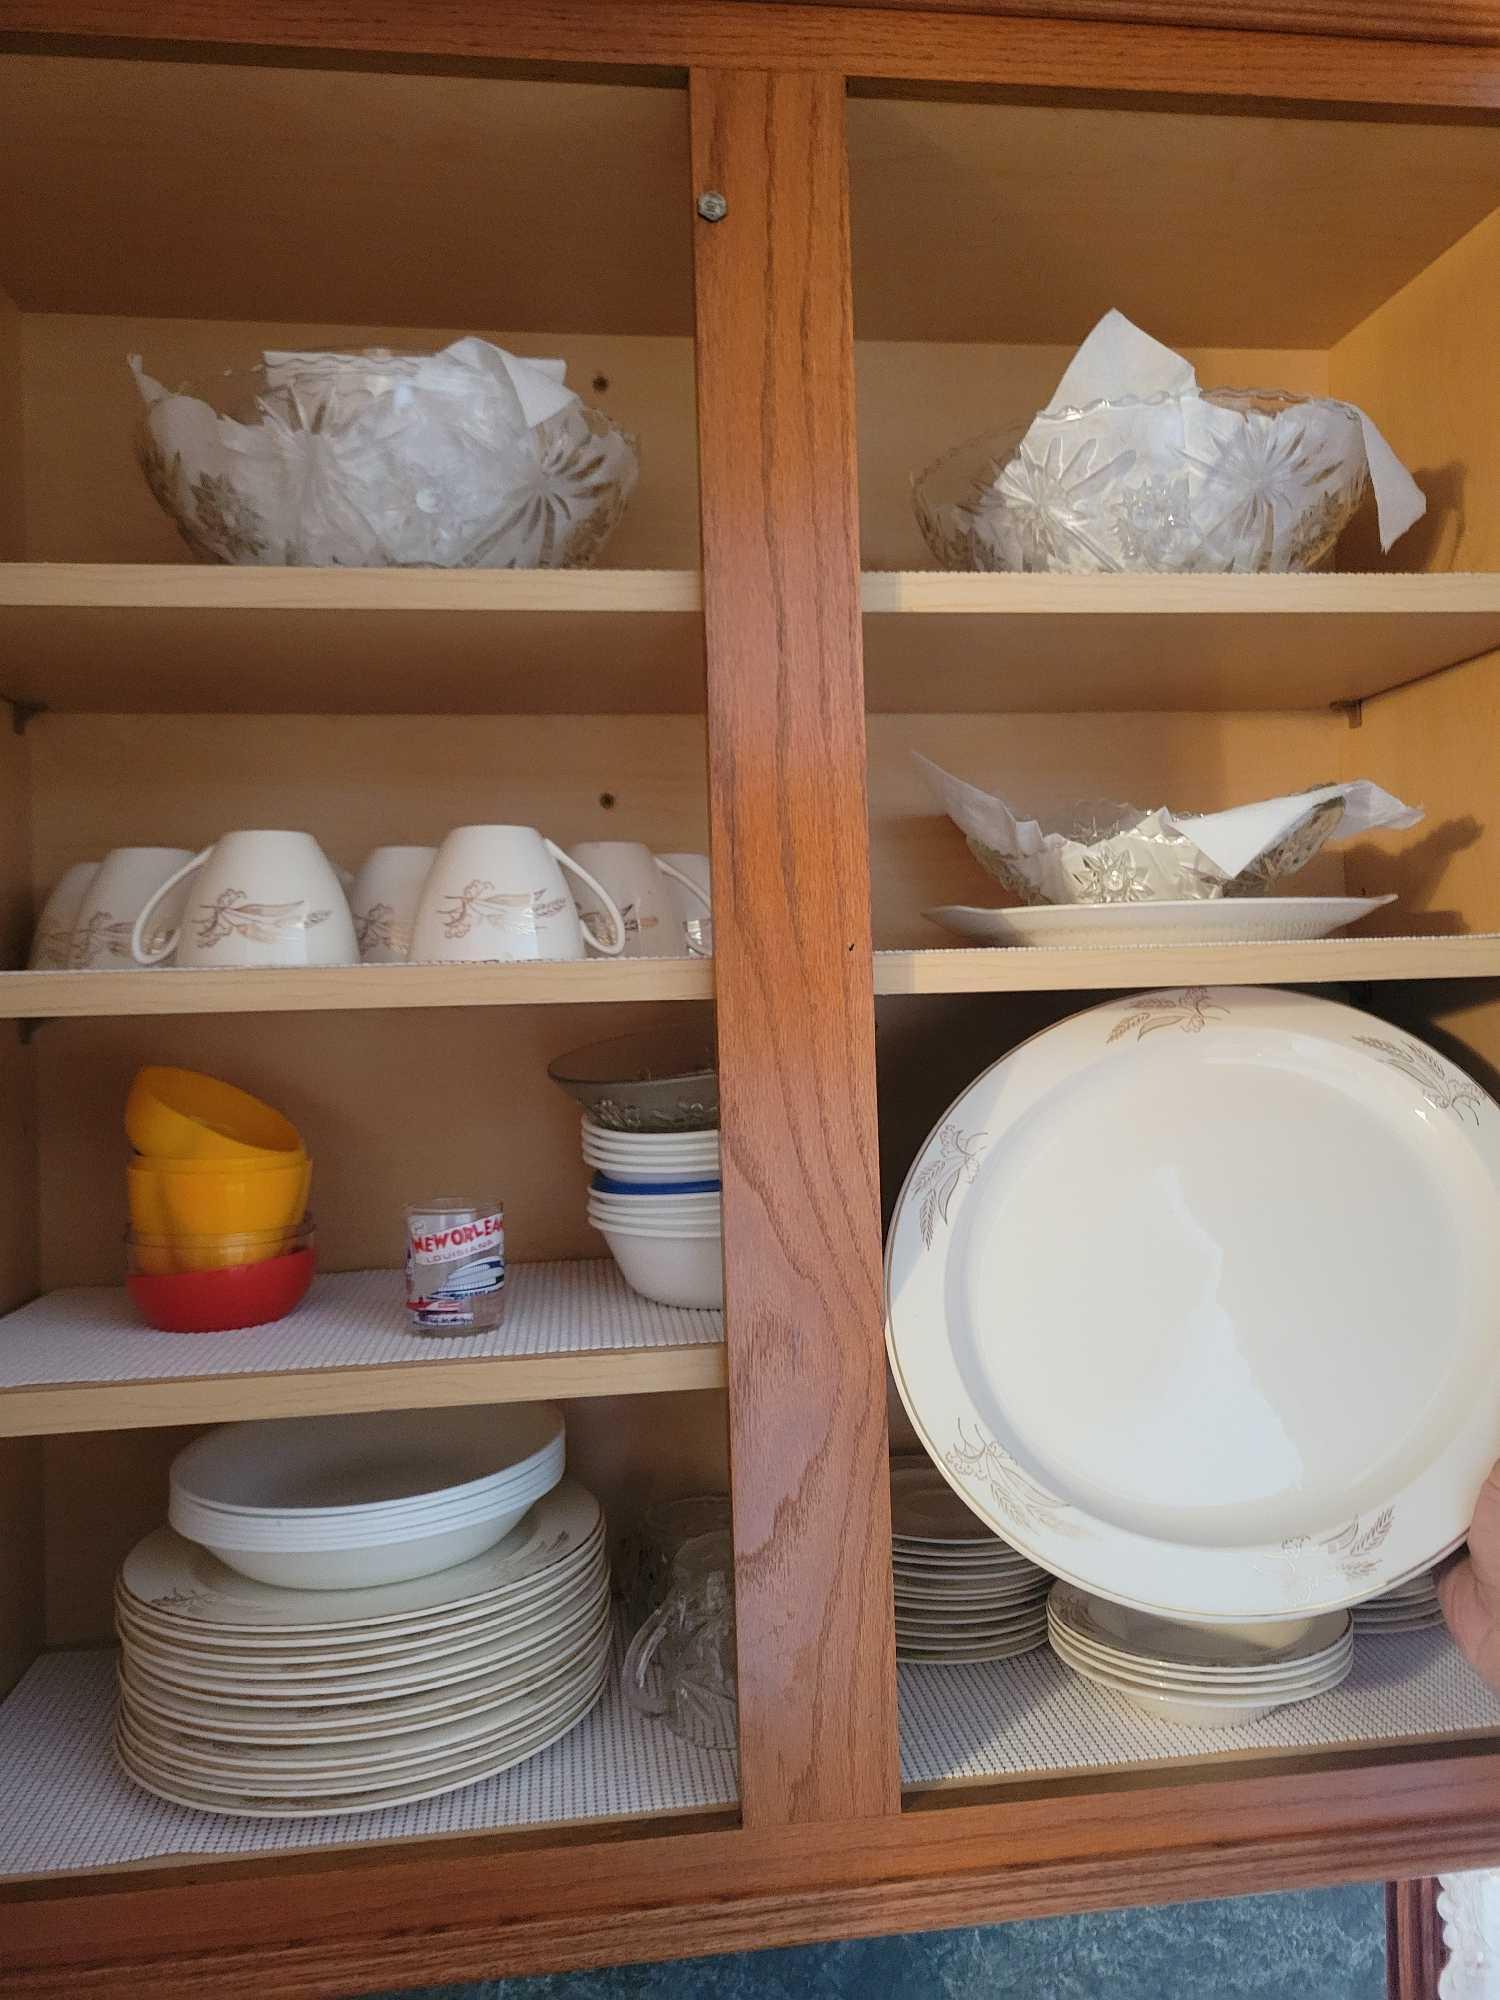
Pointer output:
180, 1114
223, 1301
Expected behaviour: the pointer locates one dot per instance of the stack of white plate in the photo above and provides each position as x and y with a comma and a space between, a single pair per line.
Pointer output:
344, 1502
655, 1198
1202, 1677
239, 1697
1406, 1607
962, 1594
1193, 1297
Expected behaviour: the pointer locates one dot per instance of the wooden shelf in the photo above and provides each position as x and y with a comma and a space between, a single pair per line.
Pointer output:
144, 638
1062, 969
69, 1807
43, 996
80, 1360
148, 638
40, 996
1033, 1718
1050, 644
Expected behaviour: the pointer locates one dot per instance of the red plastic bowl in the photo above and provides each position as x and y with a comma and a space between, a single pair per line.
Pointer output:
226, 1301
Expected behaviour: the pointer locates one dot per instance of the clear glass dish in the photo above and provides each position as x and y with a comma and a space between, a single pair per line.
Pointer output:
1226, 481
352, 466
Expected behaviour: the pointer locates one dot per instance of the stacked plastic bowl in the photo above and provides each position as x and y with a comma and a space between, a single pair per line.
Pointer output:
655, 1198
344, 1503
220, 1236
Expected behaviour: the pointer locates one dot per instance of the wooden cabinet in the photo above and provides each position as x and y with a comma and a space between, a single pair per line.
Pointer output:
923, 212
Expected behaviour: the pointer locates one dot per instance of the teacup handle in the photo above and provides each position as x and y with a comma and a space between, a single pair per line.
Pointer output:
637, 1667
141, 956
686, 881
566, 860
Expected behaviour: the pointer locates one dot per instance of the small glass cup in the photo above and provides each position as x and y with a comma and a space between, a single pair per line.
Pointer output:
647, 1552
680, 1666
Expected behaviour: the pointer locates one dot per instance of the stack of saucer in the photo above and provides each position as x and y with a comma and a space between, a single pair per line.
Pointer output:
962, 1594
1199, 1676
239, 1697
1407, 1607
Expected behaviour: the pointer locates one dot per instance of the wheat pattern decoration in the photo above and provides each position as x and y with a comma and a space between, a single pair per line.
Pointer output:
1443, 1088
955, 1161
1191, 1010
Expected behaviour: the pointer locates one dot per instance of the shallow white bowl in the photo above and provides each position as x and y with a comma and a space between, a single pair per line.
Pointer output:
651, 1171
396, 1561
673, 1270
366, 1467
711, 1230
239, 1531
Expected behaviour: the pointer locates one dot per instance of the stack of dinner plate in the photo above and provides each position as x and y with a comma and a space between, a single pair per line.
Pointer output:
248, 1698
1200, 1676
1406, 1607
962, 1594
1192, 1296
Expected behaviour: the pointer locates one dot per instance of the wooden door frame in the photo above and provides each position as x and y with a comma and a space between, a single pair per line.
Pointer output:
1415, 1953
823, 1852
900, 44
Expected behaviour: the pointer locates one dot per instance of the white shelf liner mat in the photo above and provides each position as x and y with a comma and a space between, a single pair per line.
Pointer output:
350, 1319
1034, 1715
64, 1803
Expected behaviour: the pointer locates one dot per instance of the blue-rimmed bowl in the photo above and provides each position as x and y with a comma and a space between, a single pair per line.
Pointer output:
607, 1184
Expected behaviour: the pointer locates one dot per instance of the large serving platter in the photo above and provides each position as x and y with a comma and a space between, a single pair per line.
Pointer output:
1192, 1297
1221, 920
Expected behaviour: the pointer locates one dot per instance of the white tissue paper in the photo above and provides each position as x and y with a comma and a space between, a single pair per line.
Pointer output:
1131, 466
469, 457
1123, 855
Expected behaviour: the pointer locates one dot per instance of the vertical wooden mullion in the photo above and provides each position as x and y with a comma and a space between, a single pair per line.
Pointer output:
1415, 1951
793, 972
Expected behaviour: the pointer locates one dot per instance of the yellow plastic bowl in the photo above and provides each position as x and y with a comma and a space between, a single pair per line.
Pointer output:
180, 1114
232, 1202
161, 1256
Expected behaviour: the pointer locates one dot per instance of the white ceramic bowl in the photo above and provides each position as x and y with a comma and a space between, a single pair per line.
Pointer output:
241, 1531
364, 1467
681, 1225
650, 1145
652, 1207
370, 1563
673, 1270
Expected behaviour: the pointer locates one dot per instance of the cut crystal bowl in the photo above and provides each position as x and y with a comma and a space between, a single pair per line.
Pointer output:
1218, 481
355, 468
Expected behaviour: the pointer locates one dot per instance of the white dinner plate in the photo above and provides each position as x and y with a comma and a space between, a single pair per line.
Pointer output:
1193, 1295
297, 1722
438, 1669
161, 1620
187, 1583
249, 1805
508, 1622
1128, 1667
1209, 1699
151, 1640
972, 1656
1226, 920
1163, 1642
358, 1766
